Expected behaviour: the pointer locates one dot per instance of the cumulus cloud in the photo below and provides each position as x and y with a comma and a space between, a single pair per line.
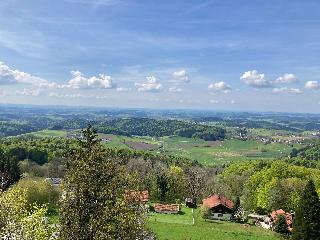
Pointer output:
181, 75
287, 78
220, 87
312, 85
151, 85
287, 90
80, 81
175, 89
13, 76
255, 79
28, 92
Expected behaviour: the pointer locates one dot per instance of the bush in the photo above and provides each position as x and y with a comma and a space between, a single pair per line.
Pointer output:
38, 192
205, 212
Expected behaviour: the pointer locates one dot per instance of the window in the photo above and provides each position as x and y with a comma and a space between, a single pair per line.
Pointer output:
220, 215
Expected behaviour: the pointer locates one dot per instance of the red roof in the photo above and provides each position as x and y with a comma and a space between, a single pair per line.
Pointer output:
166, 208
288, 216
277, 212
216, 200
142, 196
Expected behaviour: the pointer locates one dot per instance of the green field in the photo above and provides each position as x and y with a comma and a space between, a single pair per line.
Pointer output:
227, 151
179, 227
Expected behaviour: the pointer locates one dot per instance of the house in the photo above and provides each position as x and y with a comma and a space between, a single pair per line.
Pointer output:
140, 196
288, 216
54, 181
106, 139
219, 206
167, 208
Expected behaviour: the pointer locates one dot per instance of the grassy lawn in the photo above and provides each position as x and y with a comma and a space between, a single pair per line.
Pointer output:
179, 227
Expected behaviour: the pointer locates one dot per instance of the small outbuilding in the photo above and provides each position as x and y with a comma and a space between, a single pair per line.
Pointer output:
219, 207
167, 208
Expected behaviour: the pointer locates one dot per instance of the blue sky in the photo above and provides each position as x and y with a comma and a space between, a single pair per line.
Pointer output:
210, 54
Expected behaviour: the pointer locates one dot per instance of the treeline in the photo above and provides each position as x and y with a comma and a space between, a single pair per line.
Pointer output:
268, 185
308, 156
160, 128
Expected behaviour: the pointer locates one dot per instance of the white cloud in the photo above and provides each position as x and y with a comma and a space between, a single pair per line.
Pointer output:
220, 87
233, 102
54, 94
287, 90
175, 89
28, 92
213, 101
100, 81
123, 89
13, 76
287, 78
181, 75
255, 79
312, 85
151, 85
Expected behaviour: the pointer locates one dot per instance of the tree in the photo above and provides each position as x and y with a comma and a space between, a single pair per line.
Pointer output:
162, 182
17, 222
238, 213
195, 181
281, 225
236, 205
9, 171
306, 224
94, 204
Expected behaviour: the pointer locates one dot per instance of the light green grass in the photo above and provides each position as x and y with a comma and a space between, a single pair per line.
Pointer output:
50, 133
227, 151
179, 227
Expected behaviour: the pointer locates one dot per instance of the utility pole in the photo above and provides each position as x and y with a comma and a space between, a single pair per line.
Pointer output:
192, 216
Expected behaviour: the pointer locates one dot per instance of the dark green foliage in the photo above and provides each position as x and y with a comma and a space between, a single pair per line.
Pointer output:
9, 171
162, 185
160, 128
236, 205
281, 225
306, 224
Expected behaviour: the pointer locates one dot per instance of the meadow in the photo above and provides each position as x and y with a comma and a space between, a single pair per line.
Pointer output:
179, 227
208, 153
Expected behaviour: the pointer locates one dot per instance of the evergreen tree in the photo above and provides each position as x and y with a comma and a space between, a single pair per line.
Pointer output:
306, 225
9, 171
236, 205
94, 204
281, 225
238, 213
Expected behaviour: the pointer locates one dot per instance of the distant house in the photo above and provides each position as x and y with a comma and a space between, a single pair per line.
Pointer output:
167, 208
219, 206
106, 139
54, 181
288, 216
139, 196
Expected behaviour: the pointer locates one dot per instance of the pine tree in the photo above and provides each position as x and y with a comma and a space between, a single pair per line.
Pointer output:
306, 225
281, 225
94, 203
